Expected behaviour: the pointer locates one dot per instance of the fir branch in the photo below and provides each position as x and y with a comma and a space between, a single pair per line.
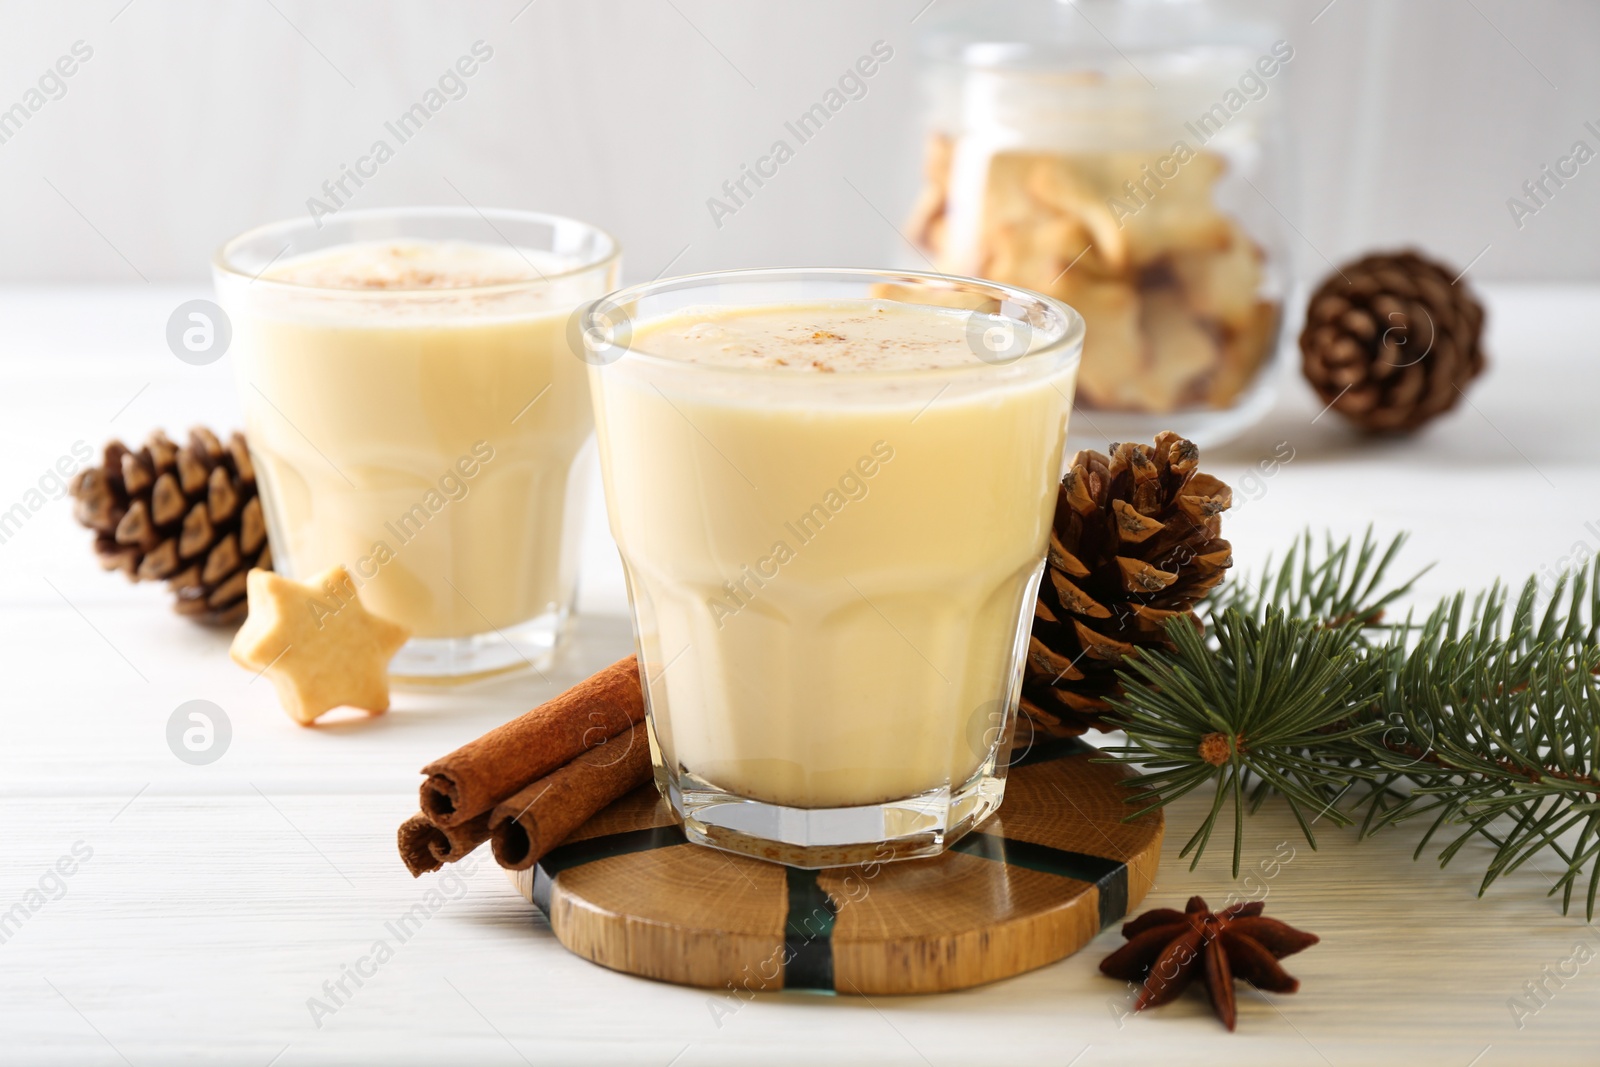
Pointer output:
1344, 584
1484, 717
1495, 722
1257, 710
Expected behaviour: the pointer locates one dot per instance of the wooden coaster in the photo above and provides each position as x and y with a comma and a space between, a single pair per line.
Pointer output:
1033, 884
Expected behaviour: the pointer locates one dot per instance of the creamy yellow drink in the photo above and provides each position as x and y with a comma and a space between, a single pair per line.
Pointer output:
416, 413
833, 516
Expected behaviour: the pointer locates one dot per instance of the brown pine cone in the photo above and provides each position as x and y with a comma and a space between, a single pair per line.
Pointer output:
1136, 542
1390, 341
188, 516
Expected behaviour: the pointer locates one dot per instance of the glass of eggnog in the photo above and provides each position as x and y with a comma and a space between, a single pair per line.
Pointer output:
415, 412
832, 491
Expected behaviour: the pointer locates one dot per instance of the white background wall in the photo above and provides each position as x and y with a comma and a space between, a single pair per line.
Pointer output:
195, 119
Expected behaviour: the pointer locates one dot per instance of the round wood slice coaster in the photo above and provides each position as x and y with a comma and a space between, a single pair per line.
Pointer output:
1033, 884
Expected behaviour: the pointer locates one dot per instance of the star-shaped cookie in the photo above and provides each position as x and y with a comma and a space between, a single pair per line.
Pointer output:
320, 647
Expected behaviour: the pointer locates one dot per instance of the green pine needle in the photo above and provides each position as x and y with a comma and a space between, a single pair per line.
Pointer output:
1271, 694
1484, 717
1346, 584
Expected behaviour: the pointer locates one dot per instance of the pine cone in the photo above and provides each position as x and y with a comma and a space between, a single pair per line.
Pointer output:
188, 516
1390, 341
1136, 542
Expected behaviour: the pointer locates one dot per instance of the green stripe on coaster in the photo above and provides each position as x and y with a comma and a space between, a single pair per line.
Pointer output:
577, 853
808, 933
1110, 877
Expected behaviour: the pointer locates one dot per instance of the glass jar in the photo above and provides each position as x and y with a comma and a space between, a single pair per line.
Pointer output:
1127, 158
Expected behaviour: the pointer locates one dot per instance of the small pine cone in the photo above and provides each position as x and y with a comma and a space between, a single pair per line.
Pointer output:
1136, 542
188, 516
1391, 341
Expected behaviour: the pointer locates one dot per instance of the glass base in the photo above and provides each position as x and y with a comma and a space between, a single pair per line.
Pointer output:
1089, 428
454, 660
812, 838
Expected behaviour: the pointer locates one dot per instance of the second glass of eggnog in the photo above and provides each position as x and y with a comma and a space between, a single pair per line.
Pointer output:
415, 412
832, 492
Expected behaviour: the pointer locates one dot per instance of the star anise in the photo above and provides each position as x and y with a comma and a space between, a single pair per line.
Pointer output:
1167, 949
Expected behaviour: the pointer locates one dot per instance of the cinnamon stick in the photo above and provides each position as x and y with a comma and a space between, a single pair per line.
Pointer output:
426, 847
526, 826
478, 775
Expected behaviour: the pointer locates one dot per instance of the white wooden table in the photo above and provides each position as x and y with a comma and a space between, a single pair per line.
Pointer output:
219, 898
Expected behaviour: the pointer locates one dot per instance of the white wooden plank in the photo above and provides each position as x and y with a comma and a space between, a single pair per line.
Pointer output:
210, 912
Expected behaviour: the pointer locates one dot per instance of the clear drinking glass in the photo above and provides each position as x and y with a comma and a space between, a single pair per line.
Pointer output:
832, 575
415, 413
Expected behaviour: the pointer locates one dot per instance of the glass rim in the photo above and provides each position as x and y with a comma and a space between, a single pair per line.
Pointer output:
1025, 58
1070, 341
611, 250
